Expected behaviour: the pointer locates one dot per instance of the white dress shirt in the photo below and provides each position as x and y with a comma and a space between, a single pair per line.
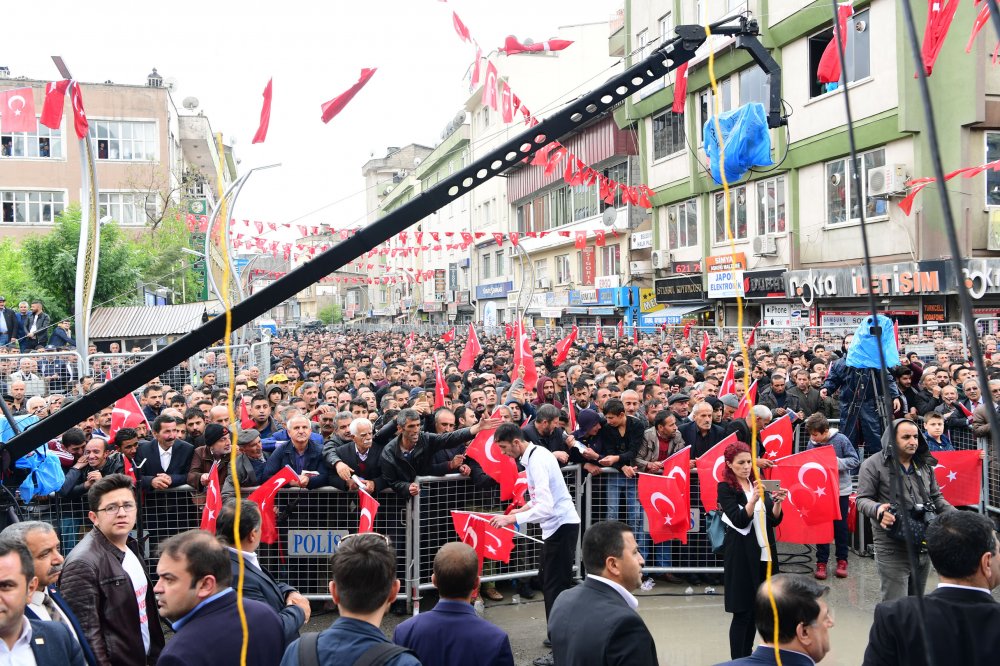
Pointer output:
21, 654
165, 456
551, 505
626, 595
37, 604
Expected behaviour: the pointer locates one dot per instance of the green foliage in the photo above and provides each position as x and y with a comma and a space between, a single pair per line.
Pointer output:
160, 260
15, 280
325, 314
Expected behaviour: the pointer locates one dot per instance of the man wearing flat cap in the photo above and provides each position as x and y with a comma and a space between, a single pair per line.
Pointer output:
218, 444
250, 462
680, 405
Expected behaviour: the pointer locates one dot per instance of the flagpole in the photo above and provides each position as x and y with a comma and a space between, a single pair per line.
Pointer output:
478, 516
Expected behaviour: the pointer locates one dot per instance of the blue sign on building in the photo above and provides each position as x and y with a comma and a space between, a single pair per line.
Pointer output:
498, 290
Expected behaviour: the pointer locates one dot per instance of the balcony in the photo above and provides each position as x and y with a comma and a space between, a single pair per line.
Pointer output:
617, 39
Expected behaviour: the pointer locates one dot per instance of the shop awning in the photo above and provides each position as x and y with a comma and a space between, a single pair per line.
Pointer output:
672, 314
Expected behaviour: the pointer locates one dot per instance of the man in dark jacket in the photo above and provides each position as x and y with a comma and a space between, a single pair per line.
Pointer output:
544, 431
619, 441
195, 594
409, 455
292, 608
104, 581
36, 328
859, 389
251, 460
960, 615
301, 453
8, 323
778, 399
165, 461
701, 434
95, 464
362, 457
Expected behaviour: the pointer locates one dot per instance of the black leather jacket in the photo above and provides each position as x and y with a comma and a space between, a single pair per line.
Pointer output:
399, 472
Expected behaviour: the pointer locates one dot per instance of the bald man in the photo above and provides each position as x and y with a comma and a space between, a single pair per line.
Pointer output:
451, 633
301, 453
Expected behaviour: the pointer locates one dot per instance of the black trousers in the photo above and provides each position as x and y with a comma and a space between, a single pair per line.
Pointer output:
558, 554
741, 633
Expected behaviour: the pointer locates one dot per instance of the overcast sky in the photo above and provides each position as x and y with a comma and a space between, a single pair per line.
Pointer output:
223, 53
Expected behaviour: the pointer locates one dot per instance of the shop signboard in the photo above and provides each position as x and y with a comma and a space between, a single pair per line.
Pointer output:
783, 315
588, 256
764, 284
725, 275
680, 289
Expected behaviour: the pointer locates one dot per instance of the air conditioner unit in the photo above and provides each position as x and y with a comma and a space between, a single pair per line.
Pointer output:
544, 282
887, 180
660, 259
765, 246
637, 267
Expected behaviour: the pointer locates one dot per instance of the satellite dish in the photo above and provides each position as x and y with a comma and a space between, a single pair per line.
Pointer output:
417, 161
190, 103
609, 216
459, 117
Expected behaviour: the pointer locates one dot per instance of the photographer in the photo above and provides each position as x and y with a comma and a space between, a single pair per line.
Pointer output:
921, 500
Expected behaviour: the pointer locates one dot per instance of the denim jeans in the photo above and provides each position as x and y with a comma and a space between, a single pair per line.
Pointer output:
893, 567
614, 484
840, 536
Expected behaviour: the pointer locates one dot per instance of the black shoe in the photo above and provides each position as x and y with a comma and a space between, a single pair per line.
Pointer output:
547, 643
525, 591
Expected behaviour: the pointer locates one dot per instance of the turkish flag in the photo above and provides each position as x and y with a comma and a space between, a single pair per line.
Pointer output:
79, 115
490, 87
512, 46
55, 100
506, 103
829, 68
264, 496
728, 382
711, 470
965, 410
337, 104
524, 360
449, 336
17, 107
440, 386
564, 345
687, 329
621, 329
960, 476
128, 469
680, 89
939, 17
703, 354
369, 509
752, 338
600, 335
777, 438
411, 338
570, 411
508, 332
213, 500
460, 28
496, 465
491, 543
580, 241
666, 499
471, 351
813, 486
476, 67
246, 422
265, 115
520, 487
748, 400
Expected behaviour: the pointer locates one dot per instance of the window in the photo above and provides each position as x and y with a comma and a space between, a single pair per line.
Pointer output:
668, 134
21, 207
992, 177
585, 202
641, 50
485, 116
501, 264
840, 190
484, 266
563, 274
737, 214
619, 174
682, 224
127, 207
666, 24
42, 143
754, 86
611, 259
541, 271
560, 207
124, 140
771, 206
485, 211
857, 53
706, 104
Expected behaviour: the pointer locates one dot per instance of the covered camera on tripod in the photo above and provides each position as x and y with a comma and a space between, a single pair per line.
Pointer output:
870, 335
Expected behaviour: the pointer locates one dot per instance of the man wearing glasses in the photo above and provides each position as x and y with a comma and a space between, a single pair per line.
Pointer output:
104, 581
980, 420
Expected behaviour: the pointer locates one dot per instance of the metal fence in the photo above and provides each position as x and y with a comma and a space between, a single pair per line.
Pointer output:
42, 372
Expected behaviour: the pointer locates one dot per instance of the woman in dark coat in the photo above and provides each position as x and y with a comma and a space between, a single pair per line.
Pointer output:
745, 558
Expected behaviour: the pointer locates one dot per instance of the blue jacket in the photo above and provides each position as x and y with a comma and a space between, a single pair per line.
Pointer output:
944, 444
851, 380
52, 643
344, 642
451, 633
285, 455
213, 636
58, 600
765, 655
260, 586
848, 459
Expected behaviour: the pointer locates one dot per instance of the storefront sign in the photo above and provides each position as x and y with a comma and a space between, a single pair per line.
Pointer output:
588, 257
686, 267
552, 313
608, 282
432, 307
852, 319
764, 284
462, 297
498, 290
933, 310
641, 240
647, 300
681, 289
782, 315
903, 279
314, 543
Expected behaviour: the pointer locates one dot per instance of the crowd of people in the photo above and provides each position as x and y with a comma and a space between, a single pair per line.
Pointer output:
349, 407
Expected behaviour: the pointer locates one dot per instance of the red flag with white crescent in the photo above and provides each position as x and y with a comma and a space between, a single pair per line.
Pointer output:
564, 345
752, 338
666, 498
55, 101
621, 329
449, 335
777, 438
703, 354
412, 338
213, 500
960, 476
17, 107
729, 381
264, 496
711, 470
440, 385
570, 410
368, 507
512, 46
687, 329
499, 467
813, 486
472, 350
80, 123
491, 543
748, 400
246, 421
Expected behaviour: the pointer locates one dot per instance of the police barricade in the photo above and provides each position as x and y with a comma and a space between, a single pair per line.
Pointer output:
667, 557
432, 527
777, 338
311, 525
991, 477
988, 326
260, 355
43, 372
930, 340
102, 363
242, 358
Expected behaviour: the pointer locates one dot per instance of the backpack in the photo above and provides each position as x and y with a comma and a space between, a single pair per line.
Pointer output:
377, 655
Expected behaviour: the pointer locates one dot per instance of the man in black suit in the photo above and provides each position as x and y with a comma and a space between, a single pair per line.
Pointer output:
36, 328
361, 456
29, 641
960, 615
8, 323
292, 608
603, 604
701, 433
194, 592
166, 460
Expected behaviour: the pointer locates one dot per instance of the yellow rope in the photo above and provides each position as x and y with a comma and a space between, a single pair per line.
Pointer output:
222, 227
739, 325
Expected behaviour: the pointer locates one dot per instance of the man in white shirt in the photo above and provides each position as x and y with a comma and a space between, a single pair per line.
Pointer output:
551, 506
604, 605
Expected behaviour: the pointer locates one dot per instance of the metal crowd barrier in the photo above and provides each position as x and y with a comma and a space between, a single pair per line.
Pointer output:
54, 371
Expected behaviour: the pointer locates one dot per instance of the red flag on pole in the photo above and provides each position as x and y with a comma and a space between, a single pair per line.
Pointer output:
128, 469
512, 46
600, 335
960, 476
748, 400
79, 115
813, 486
440, 385
703, 354
495, 464
687, 330
55, 100
939, 16
621, 329
337, 104
471, 351
213, 500
449, 336
729, 381
490, 86
570, 410
17, 107
752, 338
680, 89
460, 28
829, 68
711, 470
524, 360
264, 496
265, 115
777, 438
965, 410
410, 339
666, 499
492, 543
369, 509
246, 422
564, 345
